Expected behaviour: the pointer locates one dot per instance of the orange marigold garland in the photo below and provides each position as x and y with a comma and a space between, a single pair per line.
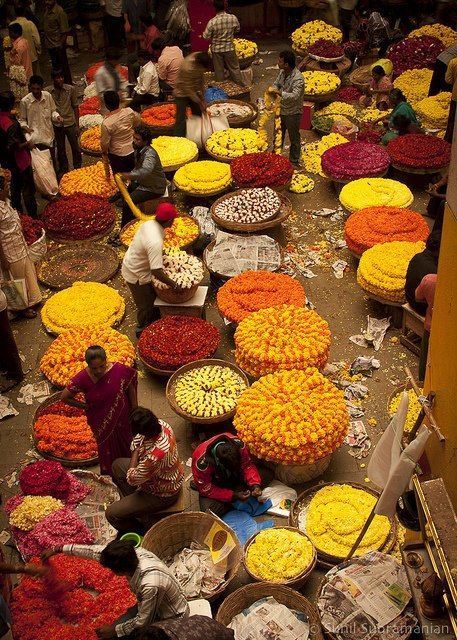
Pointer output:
254, 290
292, 417
65, 436
65, 356
283, 337
374, 225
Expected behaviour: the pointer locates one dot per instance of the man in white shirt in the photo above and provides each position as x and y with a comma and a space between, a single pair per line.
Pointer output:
143, 260
147, 88
37, 113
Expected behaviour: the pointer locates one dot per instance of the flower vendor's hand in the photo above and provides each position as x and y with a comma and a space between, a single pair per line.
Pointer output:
35, 570
241, 495
256, 491
106, 632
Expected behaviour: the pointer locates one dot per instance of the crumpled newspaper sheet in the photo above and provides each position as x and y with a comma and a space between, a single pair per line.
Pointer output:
196, 572
373, 334
267, 619
6, 408
203, 216
357, 438
30, 392
232, 254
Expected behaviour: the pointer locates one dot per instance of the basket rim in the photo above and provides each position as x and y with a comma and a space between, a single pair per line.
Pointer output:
416, 171
207, 194
325, 558
296, 580
169, 391
239, 192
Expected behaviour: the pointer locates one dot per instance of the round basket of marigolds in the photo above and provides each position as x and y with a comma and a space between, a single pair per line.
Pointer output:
161, 117
283, 555
320, 85
375, 192
382, 270
185, 270
375, 225
64, 358
254, 290
90, 179
332, 516
282, 337
61, 433
173, 341
232, 143
294, 420
90, 141
174, 152
203, 178
310, 32
183, 232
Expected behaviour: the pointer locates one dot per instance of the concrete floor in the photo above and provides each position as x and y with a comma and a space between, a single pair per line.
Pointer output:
339, 301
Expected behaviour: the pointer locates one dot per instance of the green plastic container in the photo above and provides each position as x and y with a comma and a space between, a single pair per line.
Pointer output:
133, 537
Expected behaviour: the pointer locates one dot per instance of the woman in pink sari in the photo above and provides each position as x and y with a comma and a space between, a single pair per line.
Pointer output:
110, 393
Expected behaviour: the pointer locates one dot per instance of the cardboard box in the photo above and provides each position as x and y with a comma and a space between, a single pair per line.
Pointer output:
307, 114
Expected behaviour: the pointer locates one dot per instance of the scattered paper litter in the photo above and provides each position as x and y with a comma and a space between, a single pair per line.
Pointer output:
267, 619
338, 268
195, 571
373, 334
29, 392
358, 440
6, 408
365, 365
324, 212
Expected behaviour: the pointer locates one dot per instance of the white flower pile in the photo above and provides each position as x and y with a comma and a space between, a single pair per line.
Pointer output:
90, 120
229, 109
251, 205
90, 91
182, 268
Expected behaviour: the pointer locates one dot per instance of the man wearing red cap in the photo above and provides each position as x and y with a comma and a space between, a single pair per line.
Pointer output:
144, 260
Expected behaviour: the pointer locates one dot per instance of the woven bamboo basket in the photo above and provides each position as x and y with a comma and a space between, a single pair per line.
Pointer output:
319, 97
302, 502
244, 597
301, 473
176, 297
418, 172
65, 462
155, 129
239, 121
177, 532
171, 386
236, 226
298, 581
360, 77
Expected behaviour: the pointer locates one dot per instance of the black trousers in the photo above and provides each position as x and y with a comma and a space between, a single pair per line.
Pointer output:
121, 164
71, 134
23, 188
59, 61
291, 124
423, 355
181, 107
139, 100
438, 82
138, 195
114, 30
10, 362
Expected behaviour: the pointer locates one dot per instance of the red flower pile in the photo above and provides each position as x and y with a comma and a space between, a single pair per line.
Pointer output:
31, 228
370, 133
348, 94
49, 478
173, 341
419, 151
353, 160
415, 53
92, 70
326, 49
78, 217
375, 225
353, 48
89, 106
61, 606
261, 170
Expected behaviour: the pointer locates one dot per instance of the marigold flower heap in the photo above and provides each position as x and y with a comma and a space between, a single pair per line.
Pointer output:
43, 610
375, 225
209, 391
205, 176
374, 192
78, 217
313, 152
301, 183
279, 555
414, 408
371, 115
32, 509
262, 170
245, 48
254, 290
81, 305
315, 30
232, 143
320, 82
434, 110
282, 337
354, 160
90, 179
338, 108
174, 150
382, 269
161, 115
414, 83
31, 228
419, 151
182, 232
91, 139
335, 517
173, 341
64, 358
447, 35
63, 432
418, 52
292, 417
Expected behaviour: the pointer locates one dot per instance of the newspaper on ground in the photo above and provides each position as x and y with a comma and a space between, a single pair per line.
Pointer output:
92, 509
282, 497
203, 216
357, 438
6, 408
365, 365
232, 255
30, 392
373, 334
339, 267
266, 619
195, 571
367, 597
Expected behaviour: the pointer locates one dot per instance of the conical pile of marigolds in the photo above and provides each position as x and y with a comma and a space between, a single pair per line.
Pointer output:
292, 417
282, 337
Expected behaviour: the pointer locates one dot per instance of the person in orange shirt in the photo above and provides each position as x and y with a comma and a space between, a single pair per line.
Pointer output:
20, 52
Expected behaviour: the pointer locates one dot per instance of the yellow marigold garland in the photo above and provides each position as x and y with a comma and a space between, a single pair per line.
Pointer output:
414, 83
320, 82
374, 192
272, 110
434, 110
203, 176
91, 139
292, 417
81, 305
245, 48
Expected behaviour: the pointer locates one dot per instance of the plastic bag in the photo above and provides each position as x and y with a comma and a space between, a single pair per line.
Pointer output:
349, 131
177, 19
43, 172
199, 128
15, 290
38, 249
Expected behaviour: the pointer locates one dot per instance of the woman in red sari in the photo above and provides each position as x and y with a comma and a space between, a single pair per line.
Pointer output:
110, 393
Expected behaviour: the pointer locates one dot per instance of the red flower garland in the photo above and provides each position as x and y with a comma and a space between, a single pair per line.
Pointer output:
31, 228
174, 341
63, 409
78, 217
61, 607
354, 160
264, 169
419, 151
92, 70
49, 478
348, 94
89, 106
326, 49
370, 133
415, 53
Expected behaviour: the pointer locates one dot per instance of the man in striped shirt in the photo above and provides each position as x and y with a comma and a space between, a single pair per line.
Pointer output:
221, 30
159, 594
152, 479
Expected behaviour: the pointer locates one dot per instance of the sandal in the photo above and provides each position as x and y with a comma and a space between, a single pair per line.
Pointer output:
29, 313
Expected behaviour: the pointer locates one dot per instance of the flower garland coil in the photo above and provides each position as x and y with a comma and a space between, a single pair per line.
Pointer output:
374, 192
354, 160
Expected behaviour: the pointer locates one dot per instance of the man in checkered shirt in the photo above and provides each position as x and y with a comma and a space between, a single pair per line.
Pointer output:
221, 30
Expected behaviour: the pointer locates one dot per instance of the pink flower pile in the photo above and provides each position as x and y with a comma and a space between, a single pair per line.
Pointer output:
353, 160
419, 52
